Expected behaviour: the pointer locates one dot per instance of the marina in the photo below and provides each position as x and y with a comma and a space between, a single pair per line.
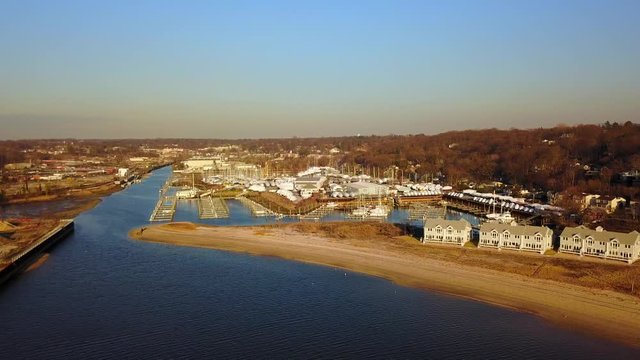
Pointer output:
138, 292
320, 180
210, 207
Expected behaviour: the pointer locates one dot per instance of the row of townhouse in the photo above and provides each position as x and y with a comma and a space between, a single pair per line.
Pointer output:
516, 237
573, 240
492, 235
600, 243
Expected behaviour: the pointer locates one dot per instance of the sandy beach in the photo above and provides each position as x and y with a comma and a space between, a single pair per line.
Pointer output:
605, 313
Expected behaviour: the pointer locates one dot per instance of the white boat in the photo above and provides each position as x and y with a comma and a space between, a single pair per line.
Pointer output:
360, 211
504, 217
186, 194
379, 211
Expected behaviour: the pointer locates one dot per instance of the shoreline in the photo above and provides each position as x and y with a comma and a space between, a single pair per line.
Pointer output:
602, 313
87, 199
81, 203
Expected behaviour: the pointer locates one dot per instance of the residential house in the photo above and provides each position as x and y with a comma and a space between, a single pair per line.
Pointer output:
609, 203
515, 237
600, 243
457, 232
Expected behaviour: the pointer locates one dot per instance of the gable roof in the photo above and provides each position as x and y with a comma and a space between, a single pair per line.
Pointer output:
461, 224
605, 236
515, 229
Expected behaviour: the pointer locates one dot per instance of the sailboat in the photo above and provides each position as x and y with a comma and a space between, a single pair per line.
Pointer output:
188, 193
380, 210
501, 217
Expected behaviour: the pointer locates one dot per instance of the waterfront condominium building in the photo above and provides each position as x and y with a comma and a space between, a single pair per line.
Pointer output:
600, 243
516, 237
456, 232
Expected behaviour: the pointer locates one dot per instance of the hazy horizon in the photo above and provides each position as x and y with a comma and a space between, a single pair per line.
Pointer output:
248, 69
298, 137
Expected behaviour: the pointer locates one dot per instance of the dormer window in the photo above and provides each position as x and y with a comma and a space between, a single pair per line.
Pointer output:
589, 241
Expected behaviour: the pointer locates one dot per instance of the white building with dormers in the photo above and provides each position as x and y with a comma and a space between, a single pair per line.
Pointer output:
455, 232
515, 237
600, 243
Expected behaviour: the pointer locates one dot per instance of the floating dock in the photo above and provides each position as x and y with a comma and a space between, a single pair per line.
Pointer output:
317, 213
166, 186
255, 208
165, 209
367, 218
421, 212
212, 208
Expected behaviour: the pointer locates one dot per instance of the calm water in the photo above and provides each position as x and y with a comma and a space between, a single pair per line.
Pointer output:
101, 295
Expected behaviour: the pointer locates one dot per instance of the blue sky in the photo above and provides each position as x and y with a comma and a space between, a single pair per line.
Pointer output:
236, 69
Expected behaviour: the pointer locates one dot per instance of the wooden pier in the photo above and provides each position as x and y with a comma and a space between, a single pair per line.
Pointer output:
419, 211
420, 199
365, 218
317, 213
355, 203
481, 211
255, 208
166, 186
212, 208
165, 209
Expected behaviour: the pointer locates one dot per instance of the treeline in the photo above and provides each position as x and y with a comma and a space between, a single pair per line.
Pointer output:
583, 158
571, 159
555, 159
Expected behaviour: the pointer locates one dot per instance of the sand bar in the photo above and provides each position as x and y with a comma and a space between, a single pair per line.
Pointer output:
602, 313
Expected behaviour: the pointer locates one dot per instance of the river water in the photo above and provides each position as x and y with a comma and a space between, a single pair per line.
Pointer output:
102, 295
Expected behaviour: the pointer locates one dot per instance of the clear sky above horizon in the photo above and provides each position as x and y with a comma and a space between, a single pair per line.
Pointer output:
248, 69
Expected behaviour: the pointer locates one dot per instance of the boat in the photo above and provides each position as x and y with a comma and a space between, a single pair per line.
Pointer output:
361, 211
504, 217
379, 211
186, 194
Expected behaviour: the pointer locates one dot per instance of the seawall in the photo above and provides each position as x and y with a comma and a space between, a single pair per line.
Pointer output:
22, 260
